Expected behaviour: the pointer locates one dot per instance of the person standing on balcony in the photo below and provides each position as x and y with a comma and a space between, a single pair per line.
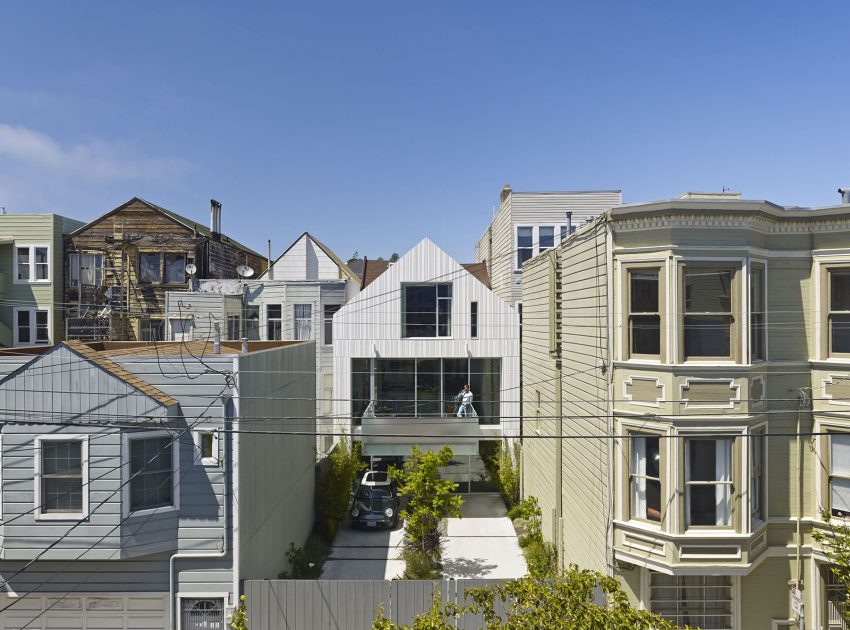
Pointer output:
465, 397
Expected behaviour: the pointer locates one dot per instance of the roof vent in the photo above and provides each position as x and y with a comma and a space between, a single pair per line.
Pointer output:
845, 195
215, 219
506, 191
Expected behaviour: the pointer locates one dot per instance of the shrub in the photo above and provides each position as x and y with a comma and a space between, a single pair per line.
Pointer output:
541, 558
418, 565
509, 473
239, 619
334, 489
305, 563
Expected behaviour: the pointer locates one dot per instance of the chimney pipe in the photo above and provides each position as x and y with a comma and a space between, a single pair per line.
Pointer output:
270, 275
244, 345
569, 223
845, 195
216, 339
215, 219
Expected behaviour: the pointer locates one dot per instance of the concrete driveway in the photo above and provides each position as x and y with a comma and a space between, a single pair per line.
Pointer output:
482, 544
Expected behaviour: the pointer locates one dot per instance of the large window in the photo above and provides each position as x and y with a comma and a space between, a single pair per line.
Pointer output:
61, 476
252, 322
644, 313
758, 492
303, 321
32, 263
85, 269
708, 482
151, 472
839, 474
330, 310
32, 326
524, 244
426, 310
708, 314
274, 322
150, 268
175, 269
234, 325
151, 330
839, 311
758, 314
646, 478
699, 601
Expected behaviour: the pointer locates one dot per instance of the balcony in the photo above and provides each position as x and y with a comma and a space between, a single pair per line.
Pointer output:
393, 430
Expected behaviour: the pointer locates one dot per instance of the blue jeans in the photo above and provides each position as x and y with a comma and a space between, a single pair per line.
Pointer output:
462, 411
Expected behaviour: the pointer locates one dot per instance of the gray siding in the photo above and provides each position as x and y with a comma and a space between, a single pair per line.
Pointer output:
276, 389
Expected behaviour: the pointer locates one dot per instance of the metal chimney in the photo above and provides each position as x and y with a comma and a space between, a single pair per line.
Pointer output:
845, 195
215, 218
569, 223
216, 339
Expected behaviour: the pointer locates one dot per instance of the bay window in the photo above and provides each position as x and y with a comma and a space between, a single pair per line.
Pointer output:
426, 310
708, 314
758, 314
839, 474
644, 319
839, 311
645, 478
32, 263
708, 482
758, 492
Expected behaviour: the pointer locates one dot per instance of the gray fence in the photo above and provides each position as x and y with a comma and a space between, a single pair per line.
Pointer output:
350, 604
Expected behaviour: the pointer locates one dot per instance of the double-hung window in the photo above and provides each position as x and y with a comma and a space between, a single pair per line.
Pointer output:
61, 477
645, 478
839, 474
545, 237
524, 244
330, 310
757, 476
708, 482
758, 314
644, 325
708, 317
274, 322
839, 311
252, 322
32, 263
150, 268
151, 475
426, 310
32, 326
234, 325
85, 269
303, 321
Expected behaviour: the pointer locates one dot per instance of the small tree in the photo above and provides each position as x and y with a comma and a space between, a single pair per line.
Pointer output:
430, 499
567, 603
239, 620
334, 492
836, 544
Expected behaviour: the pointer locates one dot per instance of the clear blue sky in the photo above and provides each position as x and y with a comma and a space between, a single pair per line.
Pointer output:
373, 124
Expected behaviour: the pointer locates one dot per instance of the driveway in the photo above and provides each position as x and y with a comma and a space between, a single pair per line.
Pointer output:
482, 544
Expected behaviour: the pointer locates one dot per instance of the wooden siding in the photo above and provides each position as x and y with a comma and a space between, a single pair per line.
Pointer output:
275, 389
584, 529
305, 260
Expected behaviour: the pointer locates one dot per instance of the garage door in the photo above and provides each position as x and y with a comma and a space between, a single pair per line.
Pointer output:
113, 612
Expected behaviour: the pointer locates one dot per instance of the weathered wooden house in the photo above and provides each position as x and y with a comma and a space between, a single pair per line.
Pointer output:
119, 267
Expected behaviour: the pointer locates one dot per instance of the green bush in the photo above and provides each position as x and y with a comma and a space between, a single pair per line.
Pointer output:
528, 511
418, 565
502, 469
541, 558
305, 563
333, 493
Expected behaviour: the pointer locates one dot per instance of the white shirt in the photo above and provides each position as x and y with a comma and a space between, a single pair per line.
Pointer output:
466, 398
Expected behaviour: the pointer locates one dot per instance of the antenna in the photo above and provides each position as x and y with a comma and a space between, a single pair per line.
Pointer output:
244, 271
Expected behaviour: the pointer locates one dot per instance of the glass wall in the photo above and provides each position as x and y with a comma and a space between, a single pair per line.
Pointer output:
425, 387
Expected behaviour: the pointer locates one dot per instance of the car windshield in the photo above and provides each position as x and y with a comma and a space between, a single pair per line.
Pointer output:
368, 493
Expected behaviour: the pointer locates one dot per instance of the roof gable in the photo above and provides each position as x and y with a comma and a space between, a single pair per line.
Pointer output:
345, 271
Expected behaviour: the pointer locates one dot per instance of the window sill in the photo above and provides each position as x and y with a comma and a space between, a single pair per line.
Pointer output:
60, 516
150, 511
31, 281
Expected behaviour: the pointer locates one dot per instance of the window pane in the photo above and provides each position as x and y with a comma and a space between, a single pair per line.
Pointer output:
233, 326
839, 332
473, 319
708, 335
455, 376
703, 502
547, 237
61, 458
444, 317
151, 475
485, 383
62, 481
42, 331
274, 311
62, 495
644, 291
419, 318
703, 460
360, 387
23, 263
708, 291
839, 290
840, 496
395, 387
645, 333
330, 309
252, 323
840, 453
175, 269
428, 387
91, 269
524, 236
523, 254
41, 263
207, 445
303, 321
149, 271
23, 326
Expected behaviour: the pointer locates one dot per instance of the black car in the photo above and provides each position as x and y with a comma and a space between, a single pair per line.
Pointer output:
375, 502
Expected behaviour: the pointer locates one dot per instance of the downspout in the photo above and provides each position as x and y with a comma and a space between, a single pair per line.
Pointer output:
211, 555
804, 402
609, 321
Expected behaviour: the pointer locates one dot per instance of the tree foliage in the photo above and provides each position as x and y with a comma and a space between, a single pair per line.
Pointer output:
430, 499
566, 603
239, 619
334, 491
836, 544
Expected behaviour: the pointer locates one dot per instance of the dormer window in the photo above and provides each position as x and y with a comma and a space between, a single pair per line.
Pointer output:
426, 310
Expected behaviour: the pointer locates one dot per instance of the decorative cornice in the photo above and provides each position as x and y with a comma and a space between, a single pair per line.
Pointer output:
760, 223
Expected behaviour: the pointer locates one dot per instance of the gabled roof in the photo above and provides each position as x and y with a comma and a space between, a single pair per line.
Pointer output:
189, 224
327, 250
372, 269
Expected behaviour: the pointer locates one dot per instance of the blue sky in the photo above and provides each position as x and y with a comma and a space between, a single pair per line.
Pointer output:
374, 124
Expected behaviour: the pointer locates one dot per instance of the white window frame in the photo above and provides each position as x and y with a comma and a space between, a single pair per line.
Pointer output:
758, 432
32, 247
128, 437
450, 312
730, 483
274, 320
325, 322
225, 597
38, 514
197, 435
535, 239
296, 319
33, 328
637, 473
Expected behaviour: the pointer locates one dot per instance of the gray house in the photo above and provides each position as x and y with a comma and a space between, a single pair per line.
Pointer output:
142, 483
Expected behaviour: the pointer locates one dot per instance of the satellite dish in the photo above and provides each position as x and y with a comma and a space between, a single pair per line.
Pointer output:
244, 271
191, 269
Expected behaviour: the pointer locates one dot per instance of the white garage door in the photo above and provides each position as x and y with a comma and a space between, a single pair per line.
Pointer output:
113, 612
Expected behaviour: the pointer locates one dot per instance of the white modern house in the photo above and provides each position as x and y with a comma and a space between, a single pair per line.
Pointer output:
408, 342
295, 299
